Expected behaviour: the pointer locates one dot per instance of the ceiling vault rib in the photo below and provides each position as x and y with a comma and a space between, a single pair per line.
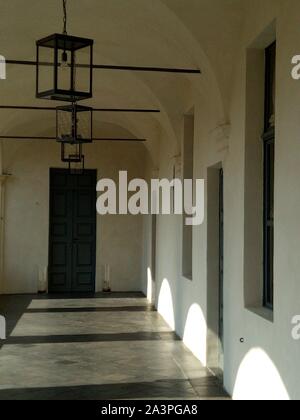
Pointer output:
54, 138
116, 68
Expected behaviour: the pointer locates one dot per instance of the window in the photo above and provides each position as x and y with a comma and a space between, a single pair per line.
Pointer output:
188, 173
269, 158
259, 173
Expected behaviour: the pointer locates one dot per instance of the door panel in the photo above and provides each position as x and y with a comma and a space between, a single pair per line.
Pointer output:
72, 242
60, 253
84, 228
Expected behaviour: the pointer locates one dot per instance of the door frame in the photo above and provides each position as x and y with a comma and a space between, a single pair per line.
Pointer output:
66, 170
215, 270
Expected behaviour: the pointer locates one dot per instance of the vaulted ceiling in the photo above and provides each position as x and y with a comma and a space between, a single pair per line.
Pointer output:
164, 33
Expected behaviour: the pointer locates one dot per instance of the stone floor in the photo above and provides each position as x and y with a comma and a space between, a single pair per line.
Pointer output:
95, 347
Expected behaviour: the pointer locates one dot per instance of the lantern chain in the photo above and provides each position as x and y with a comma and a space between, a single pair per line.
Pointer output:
65, 16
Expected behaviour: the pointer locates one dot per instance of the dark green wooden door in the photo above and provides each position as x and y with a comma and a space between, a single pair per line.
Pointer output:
72, 239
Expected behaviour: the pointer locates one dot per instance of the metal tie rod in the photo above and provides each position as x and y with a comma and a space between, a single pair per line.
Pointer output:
116, 68
44, 108
54, 138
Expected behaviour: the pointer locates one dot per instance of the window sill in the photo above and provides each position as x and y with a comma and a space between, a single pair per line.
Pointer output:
262, 312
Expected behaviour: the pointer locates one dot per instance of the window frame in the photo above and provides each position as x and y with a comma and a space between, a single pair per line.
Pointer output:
188, 150
268, 178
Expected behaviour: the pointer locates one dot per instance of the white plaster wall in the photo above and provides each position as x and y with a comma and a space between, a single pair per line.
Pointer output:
277, 377
27, 214
267, 365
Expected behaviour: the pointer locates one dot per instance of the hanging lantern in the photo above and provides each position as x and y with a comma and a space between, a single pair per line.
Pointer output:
64, 66
74, 124
71, 153
59, 77
74, 127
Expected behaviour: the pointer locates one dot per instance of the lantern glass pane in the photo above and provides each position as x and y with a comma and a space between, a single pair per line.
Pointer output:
84, 126
83, 71
74, 124
46, 69
64, 70
64, 126
72, 152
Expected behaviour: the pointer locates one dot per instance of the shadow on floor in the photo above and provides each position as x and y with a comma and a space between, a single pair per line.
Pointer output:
162, 389
12, 307
110, 309
100, 295
92, 338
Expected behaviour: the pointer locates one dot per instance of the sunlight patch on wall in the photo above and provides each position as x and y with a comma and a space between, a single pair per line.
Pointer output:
165, 304
259, 379
195, 332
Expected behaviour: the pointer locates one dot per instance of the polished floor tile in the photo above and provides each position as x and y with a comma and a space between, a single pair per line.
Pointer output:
96, 348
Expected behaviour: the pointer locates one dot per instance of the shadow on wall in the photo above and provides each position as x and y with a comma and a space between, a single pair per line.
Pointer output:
165, 304
259, 379
195, 331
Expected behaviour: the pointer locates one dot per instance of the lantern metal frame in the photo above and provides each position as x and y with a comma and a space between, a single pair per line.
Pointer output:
75, 110
74, 157
64, 43
73, 139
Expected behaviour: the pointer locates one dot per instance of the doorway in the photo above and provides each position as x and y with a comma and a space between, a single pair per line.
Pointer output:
72, 231
152, 291
215, 270
221, 271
